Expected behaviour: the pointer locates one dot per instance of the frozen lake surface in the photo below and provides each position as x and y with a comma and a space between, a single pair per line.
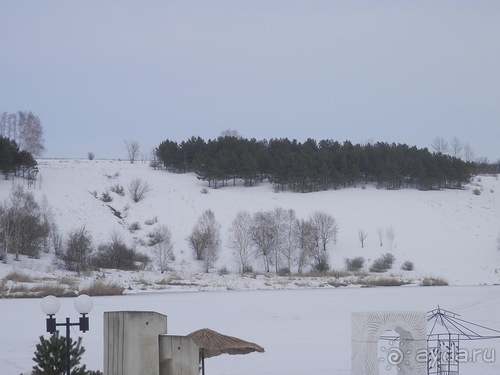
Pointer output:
302, 331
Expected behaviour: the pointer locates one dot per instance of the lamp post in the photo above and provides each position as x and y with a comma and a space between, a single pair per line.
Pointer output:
50, 306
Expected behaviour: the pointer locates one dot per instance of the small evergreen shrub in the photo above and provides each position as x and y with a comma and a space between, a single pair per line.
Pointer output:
407, 266
354, 264
155, 164
223, 271
135, 226
151, 221
118, 189
476, 191
322, 266
383, 263
106, 197
156, 236
117, 255
247, 269
285, 271
77, 250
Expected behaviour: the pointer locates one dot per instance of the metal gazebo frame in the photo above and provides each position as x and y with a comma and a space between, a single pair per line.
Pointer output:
443, 348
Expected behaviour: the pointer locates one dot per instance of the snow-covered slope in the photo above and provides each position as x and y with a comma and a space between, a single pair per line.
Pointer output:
450, 234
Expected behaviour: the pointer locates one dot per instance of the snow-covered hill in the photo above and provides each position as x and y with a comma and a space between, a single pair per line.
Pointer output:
449, 234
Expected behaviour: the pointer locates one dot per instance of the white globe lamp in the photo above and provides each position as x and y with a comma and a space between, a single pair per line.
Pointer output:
50, 305
84, 304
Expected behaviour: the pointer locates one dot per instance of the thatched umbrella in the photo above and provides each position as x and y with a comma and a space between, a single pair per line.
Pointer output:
212, 343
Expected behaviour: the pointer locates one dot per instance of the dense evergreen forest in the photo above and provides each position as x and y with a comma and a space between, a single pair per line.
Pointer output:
313, 166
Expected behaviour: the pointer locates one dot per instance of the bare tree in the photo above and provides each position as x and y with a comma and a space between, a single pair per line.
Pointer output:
319, 258
214, 242
6, 226
12, 128
390, 235
138, 188
25, 129
456, 148
154, 162
31, 134
163, 249
287, 237
205, 239
326, 228
240, 241
263, 235
304, 233
230, 133
78, 250
57, 240
280, 232
54, 240
468, 153
132, 148
3, 123
22, 227
197, 241
362, 237
439, 145
498, 242
380, 233
48, 218
482, 160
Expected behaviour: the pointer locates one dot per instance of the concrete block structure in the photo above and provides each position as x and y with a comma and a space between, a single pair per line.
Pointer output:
179, 355
132, 346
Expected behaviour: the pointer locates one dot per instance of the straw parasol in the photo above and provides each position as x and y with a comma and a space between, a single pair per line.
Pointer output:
212, 343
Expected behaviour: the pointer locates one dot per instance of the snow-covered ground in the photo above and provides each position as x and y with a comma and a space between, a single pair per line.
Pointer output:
303, 331
450, 234
304, 323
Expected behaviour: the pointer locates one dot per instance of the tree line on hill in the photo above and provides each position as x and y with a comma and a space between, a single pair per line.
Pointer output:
313, 166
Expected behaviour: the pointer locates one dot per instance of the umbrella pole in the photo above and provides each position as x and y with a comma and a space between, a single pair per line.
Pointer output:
202, 361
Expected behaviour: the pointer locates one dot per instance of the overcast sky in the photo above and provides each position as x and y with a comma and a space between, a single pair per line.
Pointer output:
98, 73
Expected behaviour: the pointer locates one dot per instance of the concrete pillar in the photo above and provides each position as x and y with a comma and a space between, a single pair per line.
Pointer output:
131, 342
179, 355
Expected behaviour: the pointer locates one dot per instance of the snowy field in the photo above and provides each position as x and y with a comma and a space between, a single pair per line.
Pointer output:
303, 323
302, 331
450, 234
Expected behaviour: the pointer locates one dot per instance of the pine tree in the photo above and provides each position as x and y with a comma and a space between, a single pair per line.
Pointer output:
50, 357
